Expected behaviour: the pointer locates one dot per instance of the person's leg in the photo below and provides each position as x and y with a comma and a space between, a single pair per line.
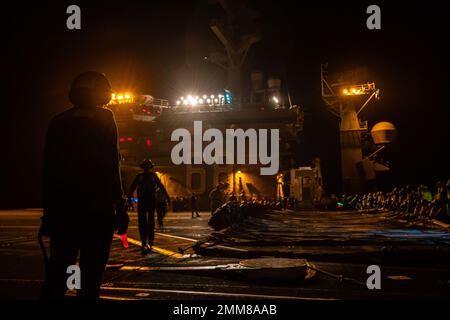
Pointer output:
160, 214
163, 214
151, 224
142, 224
94, 255
63, 253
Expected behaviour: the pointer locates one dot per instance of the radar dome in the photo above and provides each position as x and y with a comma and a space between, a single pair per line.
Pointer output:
383, 132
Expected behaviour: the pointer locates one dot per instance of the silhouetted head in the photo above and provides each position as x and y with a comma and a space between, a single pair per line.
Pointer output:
147, 164
90, 89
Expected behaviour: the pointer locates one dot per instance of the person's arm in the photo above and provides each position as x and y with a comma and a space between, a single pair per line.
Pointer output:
121, 219
161, 187
48, 155
118, 194
133, 187
48, 179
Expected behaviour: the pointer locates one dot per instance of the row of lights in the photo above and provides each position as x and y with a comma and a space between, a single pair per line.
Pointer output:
121, 97
125, 139
204, 100
148, 141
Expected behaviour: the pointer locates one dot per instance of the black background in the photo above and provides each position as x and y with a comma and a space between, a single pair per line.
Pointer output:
157, 47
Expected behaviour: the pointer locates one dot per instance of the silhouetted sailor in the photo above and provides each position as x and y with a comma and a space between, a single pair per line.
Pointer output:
83, 197
161, 206
146, 184
194, 205
215, 198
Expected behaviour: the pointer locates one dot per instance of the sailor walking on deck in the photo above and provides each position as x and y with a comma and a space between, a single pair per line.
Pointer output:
147, 183
194, 205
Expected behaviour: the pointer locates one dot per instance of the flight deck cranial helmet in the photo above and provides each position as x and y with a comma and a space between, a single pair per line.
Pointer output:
90, 88
146, 164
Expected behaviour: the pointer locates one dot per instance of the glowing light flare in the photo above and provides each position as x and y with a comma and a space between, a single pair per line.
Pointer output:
280, 179
159, 174
359, 89
118, 97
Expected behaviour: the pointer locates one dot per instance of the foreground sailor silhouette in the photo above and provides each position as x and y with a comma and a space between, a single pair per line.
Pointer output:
147, 183
83, 196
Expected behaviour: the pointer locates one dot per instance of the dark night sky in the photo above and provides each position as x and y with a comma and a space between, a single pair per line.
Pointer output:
157, 47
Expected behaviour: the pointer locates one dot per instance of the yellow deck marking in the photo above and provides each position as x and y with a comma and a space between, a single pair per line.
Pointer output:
399, 278
165, 252
441, 224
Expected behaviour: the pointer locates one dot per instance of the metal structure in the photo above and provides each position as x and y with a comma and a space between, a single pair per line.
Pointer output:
145, 125
237, 34
346, 99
